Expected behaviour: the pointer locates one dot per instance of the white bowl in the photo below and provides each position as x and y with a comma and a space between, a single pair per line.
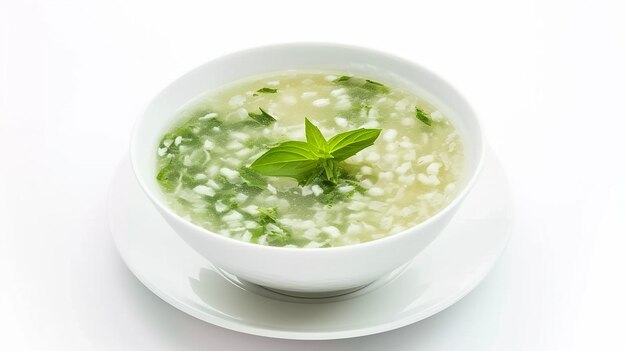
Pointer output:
299, 270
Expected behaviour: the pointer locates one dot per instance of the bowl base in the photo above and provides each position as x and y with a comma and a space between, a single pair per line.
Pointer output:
311, 297
316, 295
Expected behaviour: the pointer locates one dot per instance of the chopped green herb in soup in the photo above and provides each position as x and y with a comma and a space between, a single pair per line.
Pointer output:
311, 160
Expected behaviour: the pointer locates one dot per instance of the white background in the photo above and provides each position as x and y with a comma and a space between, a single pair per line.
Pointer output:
548, 80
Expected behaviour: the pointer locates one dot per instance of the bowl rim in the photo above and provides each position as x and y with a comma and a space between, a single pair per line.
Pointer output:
335, 249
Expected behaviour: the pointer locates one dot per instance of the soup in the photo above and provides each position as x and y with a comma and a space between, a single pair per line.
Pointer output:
369, 161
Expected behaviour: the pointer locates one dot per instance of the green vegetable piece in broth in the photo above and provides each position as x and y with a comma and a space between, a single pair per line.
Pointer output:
342, 79
262, 118
364, 88
252, 178
267, 91
421, 115
168, 176
373, 82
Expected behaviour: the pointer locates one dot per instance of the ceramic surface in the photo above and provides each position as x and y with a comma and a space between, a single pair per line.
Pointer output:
442, 274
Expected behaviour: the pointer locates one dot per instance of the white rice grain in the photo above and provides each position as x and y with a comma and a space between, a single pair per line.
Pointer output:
425, 160
236, 101
372, 157
229, 173
430, 180
338, 92
317, 190
345, 189
390, 135
200, 176
321, 102
271, 189
405, 167
204, 190
342, 122
371, 124
407, 179
210, 115
357, 205
208, 145
365, 170
213, 184
289, 100
437, 116
376, 191
232, 216
332, 231
251, 210
234, 145
239, 136
306, 190
247, 236
308, 94
433, 168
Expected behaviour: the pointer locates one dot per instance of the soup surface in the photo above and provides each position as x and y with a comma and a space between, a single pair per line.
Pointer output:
405, 177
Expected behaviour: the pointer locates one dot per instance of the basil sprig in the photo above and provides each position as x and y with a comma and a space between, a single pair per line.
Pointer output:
300, 160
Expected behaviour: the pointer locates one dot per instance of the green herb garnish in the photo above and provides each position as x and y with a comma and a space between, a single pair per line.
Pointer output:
421, 115
277, 235
361, 90
304, 160
168, 176
171, 172
252, 178
373, 82
265, 90
267, 215
262, 118
342, 79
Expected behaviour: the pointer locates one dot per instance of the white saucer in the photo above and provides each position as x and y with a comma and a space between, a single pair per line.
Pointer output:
445, 272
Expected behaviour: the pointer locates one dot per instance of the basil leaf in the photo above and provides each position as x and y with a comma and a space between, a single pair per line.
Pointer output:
262, 118
298, 147
347, 144
267, 90
421, 115
252, 178
290, 159
314, 138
